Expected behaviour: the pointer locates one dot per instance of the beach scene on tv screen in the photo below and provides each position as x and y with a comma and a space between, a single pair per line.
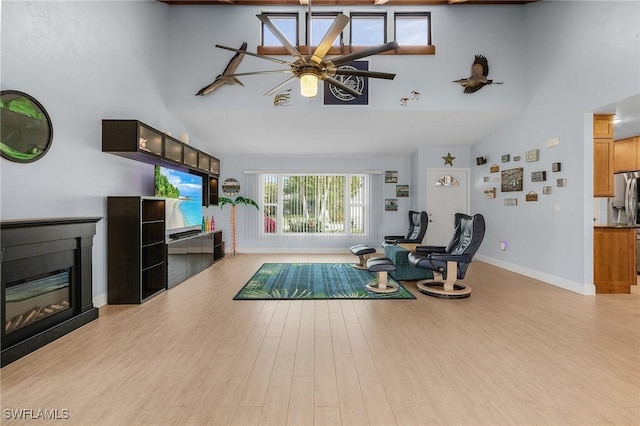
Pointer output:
183, 193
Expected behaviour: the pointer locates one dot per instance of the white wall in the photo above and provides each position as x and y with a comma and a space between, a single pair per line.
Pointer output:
84, 61
579, 56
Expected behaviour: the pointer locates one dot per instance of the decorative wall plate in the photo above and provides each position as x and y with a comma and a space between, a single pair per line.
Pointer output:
25, 127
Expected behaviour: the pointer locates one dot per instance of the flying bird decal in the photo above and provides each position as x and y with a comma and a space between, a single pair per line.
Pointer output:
478, 78
227, 76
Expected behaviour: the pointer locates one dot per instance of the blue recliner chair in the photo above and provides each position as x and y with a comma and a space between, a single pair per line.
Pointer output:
450, 263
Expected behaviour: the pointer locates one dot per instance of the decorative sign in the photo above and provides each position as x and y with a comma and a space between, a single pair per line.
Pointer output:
391, 176
531, 196
402, 190
533, 155
230, 187
538, 176
336, 96
556, 167
481, 160
517, 158
391, 204
510, 201
512, 180
546, 190
562, 182
506, 158
494, 168
490, 193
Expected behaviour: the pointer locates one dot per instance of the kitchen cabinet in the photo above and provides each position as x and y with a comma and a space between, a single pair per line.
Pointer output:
626, 155
603, 155
614, 259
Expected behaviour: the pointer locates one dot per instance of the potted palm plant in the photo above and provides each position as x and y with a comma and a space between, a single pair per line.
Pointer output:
234, 202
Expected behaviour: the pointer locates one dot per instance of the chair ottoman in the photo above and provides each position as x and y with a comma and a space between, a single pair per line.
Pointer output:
404, 271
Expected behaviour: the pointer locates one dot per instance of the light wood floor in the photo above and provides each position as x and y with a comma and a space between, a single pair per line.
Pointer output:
517, 351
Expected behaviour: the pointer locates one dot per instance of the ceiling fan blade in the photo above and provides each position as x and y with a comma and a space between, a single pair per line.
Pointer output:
280, 86
283, 39
362, 73
341, 60
342, 86
255, 55
334, 31
240, 74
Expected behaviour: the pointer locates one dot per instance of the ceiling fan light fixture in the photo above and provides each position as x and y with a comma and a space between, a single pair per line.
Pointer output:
309, 84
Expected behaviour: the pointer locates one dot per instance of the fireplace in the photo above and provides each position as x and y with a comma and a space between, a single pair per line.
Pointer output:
46, 282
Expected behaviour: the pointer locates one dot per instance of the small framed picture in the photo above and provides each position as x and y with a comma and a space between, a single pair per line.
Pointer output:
546, 190
533, 155
562, 182
391, 176
540, 176
506, 158
556, 167
402, 190
516, 158
510, 202
391, 204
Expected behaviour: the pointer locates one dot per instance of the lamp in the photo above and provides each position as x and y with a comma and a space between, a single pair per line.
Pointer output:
309, 84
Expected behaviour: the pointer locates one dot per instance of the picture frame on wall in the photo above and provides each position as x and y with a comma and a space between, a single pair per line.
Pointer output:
512, 180
391, 176
402, 190
391, 204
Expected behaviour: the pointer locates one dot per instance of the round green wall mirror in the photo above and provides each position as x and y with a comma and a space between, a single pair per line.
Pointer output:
25, 127
230, 187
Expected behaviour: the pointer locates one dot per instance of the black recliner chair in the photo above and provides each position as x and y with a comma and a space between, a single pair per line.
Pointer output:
418, 223
450, 262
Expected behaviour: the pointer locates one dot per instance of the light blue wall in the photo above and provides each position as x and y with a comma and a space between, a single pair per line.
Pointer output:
84, 61
579, 56
394, 223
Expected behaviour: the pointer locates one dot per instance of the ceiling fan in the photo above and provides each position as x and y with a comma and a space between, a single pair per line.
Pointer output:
311, 68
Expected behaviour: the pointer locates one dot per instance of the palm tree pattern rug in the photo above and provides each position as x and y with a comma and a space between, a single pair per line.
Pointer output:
314, 281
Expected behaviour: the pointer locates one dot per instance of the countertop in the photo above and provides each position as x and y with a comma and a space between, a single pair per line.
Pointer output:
616, 226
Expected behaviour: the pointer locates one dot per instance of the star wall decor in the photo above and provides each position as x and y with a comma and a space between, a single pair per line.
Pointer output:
448, 159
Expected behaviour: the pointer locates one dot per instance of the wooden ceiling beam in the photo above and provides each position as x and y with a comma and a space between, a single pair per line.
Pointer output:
343, 2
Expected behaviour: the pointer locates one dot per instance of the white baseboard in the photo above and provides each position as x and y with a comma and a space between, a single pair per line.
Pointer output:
585, 289
296, 250
100, 300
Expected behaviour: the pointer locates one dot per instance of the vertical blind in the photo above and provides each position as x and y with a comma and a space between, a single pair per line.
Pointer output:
320, 205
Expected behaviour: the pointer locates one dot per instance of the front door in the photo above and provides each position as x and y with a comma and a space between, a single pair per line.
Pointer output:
447, 194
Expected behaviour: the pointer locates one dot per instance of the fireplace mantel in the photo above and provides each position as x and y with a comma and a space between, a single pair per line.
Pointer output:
34, 246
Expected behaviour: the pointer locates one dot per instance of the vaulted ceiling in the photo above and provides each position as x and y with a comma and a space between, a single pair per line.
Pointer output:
367, 130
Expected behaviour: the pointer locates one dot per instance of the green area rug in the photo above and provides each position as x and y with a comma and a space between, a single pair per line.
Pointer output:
314, 281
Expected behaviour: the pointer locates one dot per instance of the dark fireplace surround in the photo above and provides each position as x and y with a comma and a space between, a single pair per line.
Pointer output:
57, 255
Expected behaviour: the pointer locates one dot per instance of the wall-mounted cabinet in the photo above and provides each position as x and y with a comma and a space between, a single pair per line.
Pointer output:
626, 154
603, 155
138, 141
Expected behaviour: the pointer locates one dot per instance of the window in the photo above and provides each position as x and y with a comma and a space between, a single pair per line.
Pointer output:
287, 23
320, 24
297, 204
368, 29
413, 29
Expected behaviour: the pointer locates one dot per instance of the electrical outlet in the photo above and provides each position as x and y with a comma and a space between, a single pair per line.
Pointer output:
503, 245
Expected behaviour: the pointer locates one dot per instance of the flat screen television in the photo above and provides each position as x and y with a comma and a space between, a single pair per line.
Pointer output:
183, 198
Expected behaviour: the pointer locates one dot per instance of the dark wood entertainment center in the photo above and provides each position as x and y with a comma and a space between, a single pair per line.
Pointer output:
142, 259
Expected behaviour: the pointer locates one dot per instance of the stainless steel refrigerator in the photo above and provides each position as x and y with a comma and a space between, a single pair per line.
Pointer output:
626, 202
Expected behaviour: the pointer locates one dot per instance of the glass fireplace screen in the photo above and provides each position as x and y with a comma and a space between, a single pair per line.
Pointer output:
33, 299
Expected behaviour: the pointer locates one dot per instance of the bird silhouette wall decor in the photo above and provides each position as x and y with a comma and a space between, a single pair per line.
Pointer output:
478, 78
225, 77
